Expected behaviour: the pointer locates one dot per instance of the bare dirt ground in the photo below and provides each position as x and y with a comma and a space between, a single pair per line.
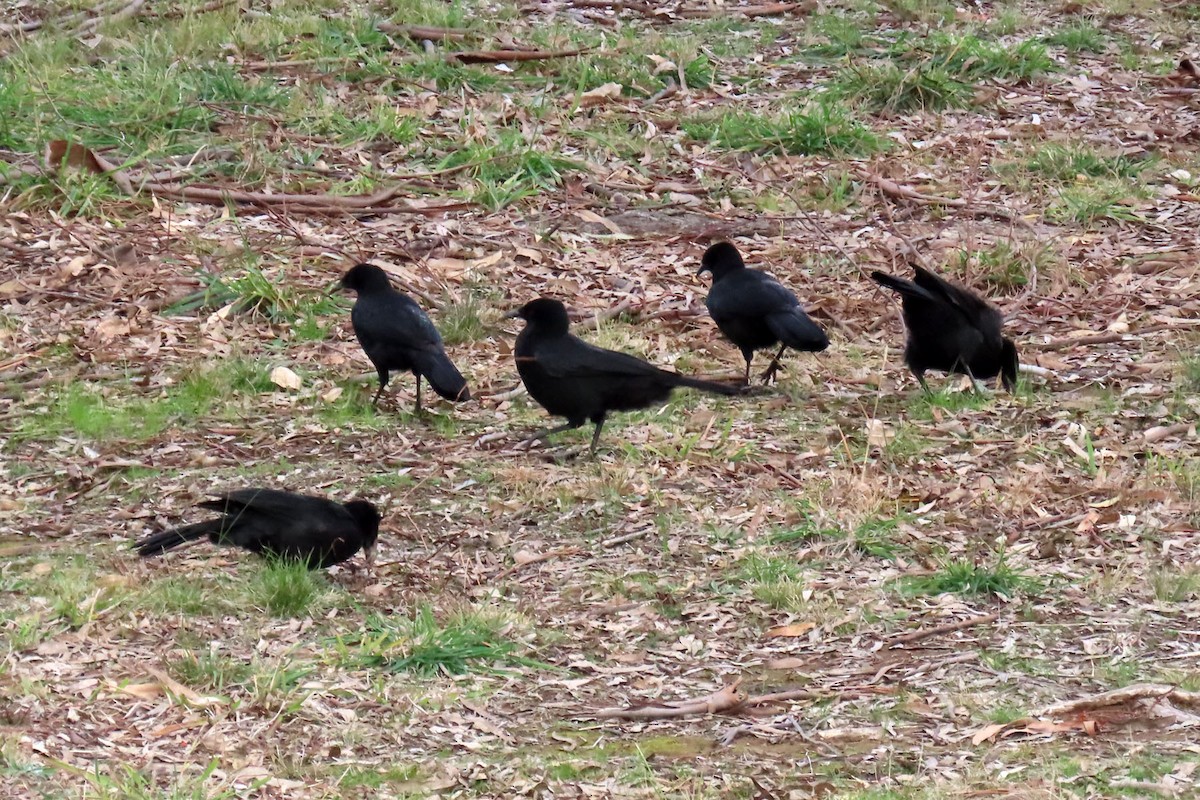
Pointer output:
787, 560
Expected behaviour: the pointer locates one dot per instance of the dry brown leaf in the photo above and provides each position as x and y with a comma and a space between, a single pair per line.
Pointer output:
785, 631
285, 378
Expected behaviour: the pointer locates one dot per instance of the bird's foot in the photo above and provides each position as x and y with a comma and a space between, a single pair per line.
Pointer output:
768, 374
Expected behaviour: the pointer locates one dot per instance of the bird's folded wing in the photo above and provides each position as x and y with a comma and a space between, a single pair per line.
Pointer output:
754, 295
270, 503
392, 319
577, 359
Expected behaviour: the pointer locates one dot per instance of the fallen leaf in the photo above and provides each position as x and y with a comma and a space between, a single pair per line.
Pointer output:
284, 378
797, 629
599, 95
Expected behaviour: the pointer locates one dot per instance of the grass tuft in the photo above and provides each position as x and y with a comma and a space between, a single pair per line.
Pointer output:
422, 645
969, 578
285, 588
823, 130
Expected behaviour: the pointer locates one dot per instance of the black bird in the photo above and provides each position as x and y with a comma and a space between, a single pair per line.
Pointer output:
396, 334
951, 329
573, 379
754, 310
288, 526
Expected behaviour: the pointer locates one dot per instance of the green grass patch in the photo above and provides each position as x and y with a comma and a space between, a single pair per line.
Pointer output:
937, 72
108, 412
824, 129
1080, 36
286, 588
969, 578
210, 671
1066, 163
888, 88
1094, 202
465, 642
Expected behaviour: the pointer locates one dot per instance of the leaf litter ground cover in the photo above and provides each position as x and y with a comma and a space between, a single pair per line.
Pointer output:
840, 588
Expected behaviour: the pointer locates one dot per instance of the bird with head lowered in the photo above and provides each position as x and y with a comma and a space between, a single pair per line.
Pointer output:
951, 329
573, 379
283, 525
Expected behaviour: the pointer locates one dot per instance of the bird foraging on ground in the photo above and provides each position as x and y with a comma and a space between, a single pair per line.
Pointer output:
284, 525
396, 334
951, 329
755, 311
573, 379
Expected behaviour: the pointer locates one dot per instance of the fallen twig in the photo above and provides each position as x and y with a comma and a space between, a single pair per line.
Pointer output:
899, 192
423, 32
950, 627
725, 699
629, 537
296, 203
1122, 696
502, 56
539, 558
1160, 432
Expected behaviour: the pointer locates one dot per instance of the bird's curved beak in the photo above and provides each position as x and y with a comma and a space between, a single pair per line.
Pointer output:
336, 288
703, 269
513, 314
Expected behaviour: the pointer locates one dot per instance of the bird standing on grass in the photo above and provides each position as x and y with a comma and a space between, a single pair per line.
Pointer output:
396, 334
292, 527
754, 310
573, 379
951, 329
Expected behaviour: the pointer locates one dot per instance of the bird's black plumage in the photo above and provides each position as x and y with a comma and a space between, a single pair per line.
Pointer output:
396, 334
573, 379
754, 310
951, 329
284, 525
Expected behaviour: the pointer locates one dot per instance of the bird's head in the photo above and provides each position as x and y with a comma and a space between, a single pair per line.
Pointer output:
363, 278
367, 517
1009, 364
721, 259
545, 314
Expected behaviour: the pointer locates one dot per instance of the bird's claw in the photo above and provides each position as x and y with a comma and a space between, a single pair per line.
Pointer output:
768, 374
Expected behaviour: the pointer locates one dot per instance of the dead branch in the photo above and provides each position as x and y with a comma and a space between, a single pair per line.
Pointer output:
423, 32
296, 203
501, 56
769, 10
898, 192
950, 627
1073, 341
629, 537
1160, 432
215, 5
539, 558
1123, 696
131, 9
727, 698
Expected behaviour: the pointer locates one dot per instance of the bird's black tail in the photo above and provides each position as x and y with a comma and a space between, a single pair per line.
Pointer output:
442, 375
158, 543
713, 387
900, 285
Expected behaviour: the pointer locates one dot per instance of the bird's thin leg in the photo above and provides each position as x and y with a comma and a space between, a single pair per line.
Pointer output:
747, 379
976, 388
418, 392
596, 437
774, 366
924, 385
383, 379
542, 434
